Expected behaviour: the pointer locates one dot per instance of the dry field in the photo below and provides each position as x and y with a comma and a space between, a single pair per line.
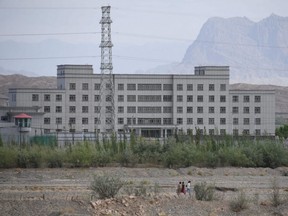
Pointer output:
66, 191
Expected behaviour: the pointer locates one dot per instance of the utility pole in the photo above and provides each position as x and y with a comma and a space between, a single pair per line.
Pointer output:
107, 113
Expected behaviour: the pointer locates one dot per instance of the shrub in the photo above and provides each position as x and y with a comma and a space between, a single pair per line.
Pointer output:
275, 197
239, 203
106, 186
204, 192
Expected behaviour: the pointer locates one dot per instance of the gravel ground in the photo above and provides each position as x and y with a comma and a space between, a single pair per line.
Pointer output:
66, 191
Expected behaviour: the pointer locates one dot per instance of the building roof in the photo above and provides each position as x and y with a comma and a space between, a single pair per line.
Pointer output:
22, 115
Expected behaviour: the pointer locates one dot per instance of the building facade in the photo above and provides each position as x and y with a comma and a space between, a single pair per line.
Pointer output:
151, 105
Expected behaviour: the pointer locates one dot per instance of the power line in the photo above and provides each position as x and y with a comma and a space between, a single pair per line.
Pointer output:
49, 8
46, 58
55, 33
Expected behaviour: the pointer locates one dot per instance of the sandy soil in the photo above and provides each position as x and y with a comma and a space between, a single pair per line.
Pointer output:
66, 191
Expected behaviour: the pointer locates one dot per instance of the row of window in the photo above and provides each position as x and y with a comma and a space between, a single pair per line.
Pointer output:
150, 98
150, 87
150, 109
157, 121
246, 98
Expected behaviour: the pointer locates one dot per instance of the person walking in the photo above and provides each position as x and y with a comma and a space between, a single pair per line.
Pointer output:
179, 186
183, 188
189, 188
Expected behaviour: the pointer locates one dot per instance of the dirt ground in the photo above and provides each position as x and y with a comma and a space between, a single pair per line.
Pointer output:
67, 191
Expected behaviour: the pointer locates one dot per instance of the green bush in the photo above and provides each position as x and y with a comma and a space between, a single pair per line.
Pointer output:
204, 192
106, 186
8, 157
239, 203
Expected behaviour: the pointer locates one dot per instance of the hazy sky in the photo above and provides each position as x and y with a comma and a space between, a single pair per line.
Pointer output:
133, 21
169, 25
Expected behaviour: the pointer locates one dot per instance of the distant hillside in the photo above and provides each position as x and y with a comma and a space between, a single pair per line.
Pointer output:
257, 52
20, 81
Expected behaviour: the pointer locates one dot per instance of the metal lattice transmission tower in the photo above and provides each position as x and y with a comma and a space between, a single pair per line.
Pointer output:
107, 109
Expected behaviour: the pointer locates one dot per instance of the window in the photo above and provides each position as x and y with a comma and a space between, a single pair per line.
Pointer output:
96, 121
131, 98
120, 98
167, 109
179, 87
211, 121
200, 98
179, 98
108, 98
235, 99
120, 121
179, 109
58, 97
199, 109
131, 87
222, 109
189, 87
35, 97
211, 87
211, 110
189, 98
72, 86
85, 121
72, 109
149, 87
246, 121
200, 87
189, 121
131, 109
222, 98
150, 98
97, 109
235, 110
72, 121
108, 109
46, 120
257, 109
235, 121
246, 132
47, 109
246, 98
167, 121
257, 121
222, 121
257, 132
199, 121
211, 98
222, 87
97, 86
58, 121
47, 97
84, 97
257, 99
120, 109
120, 87
85, 86
235, 132
108, 121
108, 86
85, 109
179, 121
246, 110
72, 97
96, 98
211, 131
148, 109
167, 87
189, 109
222, 131
58, 109
130, 122
167, 98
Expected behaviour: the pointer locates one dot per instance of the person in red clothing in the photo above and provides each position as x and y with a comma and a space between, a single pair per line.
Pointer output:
183, 188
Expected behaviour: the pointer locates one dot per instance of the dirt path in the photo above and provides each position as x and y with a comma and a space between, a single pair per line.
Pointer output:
66, 191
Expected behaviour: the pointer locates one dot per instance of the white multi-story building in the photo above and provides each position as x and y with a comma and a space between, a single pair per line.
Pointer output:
152, 105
